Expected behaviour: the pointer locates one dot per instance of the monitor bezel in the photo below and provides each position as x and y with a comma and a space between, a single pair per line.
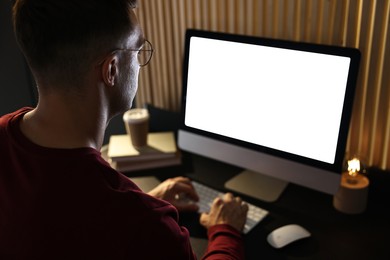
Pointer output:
352, 53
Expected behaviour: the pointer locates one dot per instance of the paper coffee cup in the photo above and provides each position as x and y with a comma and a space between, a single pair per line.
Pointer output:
136, 121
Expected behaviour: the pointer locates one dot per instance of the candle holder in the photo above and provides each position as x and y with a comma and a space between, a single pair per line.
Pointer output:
351, 198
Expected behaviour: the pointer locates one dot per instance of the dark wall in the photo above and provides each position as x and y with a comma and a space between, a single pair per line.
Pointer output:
15, 84
17, 89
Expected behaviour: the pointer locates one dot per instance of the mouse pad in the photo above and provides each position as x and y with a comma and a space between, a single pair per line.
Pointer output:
199, 245
147, 183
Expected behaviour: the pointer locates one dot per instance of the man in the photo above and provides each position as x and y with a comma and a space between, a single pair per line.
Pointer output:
58, 198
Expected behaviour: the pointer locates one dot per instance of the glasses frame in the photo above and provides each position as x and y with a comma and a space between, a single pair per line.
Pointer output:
139, 50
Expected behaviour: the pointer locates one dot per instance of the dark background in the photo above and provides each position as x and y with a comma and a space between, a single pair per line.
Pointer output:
17, 87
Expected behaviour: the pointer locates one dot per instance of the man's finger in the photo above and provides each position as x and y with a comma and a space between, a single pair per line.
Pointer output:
188, 190
187, 207
204, 218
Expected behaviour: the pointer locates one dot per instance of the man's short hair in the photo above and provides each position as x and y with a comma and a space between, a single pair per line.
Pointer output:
63, 37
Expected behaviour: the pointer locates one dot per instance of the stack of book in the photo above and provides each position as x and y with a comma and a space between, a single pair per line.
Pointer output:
160, 151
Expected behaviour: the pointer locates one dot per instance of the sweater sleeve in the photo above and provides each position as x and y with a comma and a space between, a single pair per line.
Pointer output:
225, 242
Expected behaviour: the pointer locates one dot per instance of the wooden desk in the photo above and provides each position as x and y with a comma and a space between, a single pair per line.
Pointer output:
334, 235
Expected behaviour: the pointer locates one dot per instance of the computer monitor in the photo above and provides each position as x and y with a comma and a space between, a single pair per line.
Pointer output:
279, 109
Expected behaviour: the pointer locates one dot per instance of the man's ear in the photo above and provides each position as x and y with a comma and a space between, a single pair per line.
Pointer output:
110, 70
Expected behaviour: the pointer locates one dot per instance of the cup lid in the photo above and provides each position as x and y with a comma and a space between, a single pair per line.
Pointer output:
136, 114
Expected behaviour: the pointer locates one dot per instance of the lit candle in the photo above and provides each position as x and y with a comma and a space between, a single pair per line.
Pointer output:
353, 167
351, 198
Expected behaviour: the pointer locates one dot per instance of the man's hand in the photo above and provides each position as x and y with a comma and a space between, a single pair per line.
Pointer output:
227, 210
179, 192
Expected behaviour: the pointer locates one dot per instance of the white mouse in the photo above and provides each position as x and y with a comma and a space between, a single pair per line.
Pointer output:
287, 234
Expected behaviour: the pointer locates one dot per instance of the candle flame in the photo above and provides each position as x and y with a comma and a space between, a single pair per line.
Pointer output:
353, 167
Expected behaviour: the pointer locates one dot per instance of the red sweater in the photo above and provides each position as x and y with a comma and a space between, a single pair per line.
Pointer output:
70, 204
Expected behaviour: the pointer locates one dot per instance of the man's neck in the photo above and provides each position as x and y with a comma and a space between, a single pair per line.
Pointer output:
56, 123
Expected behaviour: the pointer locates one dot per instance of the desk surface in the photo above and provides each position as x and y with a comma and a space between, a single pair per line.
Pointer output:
334, 235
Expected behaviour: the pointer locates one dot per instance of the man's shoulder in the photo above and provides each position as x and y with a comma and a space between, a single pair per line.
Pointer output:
5, 118
122, 185
149, 202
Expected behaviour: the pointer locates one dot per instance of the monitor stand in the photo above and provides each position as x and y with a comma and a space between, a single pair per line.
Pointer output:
257, 185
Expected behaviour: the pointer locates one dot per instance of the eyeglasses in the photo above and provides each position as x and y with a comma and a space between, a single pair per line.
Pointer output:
144, 54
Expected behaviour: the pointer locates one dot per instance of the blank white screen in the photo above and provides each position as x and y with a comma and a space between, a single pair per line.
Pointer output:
283, 99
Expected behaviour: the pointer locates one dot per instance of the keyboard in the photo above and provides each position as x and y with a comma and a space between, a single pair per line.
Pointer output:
207, 196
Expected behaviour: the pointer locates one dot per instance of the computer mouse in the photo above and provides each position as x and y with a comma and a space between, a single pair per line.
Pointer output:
287, 234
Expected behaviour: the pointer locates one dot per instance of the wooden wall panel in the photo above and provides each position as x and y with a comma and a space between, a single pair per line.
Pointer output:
362, 24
